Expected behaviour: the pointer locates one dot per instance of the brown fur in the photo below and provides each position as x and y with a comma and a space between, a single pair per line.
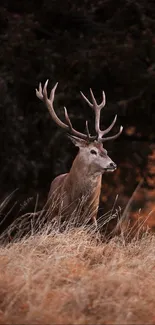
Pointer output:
84, 179
68, 190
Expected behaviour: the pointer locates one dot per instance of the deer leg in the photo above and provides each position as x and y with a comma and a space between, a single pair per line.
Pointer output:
94, 222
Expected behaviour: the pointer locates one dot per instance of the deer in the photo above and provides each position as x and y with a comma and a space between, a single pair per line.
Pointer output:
84, 180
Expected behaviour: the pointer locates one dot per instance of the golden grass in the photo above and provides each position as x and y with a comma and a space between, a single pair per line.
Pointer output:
75, 278
63, 273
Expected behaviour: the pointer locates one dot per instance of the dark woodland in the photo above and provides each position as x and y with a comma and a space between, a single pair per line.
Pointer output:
106, 45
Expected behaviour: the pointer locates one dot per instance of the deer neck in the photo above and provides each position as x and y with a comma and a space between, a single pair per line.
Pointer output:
82, 179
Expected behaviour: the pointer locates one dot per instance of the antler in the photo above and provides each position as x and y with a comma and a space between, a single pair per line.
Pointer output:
42, 95
97, 109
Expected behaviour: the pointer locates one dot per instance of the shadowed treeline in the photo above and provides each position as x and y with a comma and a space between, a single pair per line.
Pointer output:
102, 45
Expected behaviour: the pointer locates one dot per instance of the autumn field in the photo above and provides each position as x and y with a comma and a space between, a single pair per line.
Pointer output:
77, 276
67, 272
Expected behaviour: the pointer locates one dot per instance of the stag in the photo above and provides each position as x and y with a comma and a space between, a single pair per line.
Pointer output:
85, 176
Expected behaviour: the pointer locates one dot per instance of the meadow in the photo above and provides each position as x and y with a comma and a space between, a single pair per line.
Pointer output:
76, 276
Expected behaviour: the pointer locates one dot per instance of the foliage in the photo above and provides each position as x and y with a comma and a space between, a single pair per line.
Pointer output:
103, 45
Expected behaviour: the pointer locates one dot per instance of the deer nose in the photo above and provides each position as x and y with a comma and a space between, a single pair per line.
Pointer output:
112, 165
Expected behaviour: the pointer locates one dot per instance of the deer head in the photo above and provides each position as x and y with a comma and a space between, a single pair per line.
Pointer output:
91, 151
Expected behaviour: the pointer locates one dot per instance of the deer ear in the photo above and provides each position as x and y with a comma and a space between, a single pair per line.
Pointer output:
77, 141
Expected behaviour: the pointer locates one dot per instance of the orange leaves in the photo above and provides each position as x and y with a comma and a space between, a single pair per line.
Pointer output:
130, 130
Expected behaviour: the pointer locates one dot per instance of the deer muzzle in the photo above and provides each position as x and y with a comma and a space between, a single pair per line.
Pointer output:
111, 167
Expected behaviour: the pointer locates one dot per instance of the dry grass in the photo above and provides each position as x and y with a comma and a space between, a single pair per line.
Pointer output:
73, 275
75, 278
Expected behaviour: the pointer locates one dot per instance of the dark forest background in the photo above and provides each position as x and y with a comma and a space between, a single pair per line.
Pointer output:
106, 45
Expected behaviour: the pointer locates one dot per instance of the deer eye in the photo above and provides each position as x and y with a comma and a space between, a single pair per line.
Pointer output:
93, 152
